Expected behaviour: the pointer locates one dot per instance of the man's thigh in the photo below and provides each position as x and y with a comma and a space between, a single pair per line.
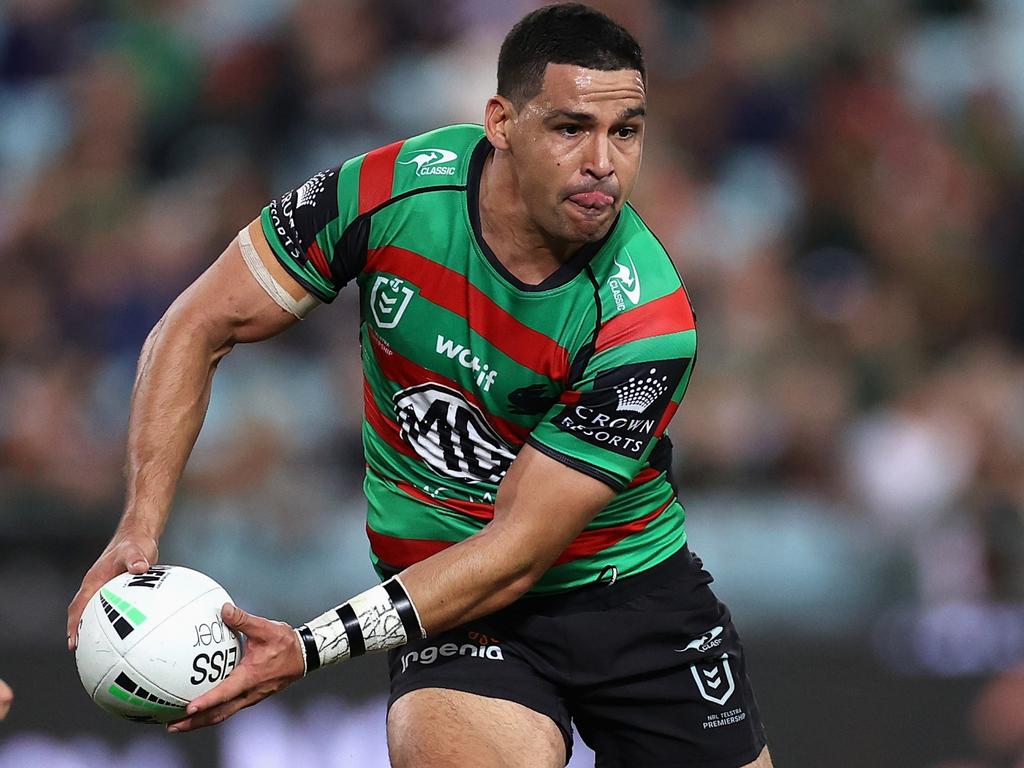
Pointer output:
440, 728
764, 760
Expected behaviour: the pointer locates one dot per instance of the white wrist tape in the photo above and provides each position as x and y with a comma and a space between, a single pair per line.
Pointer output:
379, 619
298, 307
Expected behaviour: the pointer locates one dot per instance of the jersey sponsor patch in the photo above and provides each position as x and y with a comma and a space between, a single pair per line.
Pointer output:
301, 214
451, 434
622, 411
485, 375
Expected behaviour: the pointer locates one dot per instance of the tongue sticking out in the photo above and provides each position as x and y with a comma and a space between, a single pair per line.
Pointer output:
592, 199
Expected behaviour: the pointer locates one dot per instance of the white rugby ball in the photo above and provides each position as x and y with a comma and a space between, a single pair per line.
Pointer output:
150, 643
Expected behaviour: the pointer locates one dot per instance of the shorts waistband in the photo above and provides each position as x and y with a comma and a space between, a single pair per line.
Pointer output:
605, 591
613, 591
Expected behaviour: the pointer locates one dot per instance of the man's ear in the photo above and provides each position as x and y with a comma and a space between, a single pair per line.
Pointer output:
498, 117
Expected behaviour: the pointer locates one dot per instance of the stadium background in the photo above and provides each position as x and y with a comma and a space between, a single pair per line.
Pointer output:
841, 186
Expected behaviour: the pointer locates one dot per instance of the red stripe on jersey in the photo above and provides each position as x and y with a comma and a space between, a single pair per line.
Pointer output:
405, 373
451, 290
645, 475
377, 176
669, 314
475, 509
666, 417
316, 255
387, 429
599, 539
401, 553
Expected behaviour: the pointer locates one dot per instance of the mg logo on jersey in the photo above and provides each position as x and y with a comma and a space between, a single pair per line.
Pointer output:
714, 679
432, 162
388, 299
625, 283
451, 434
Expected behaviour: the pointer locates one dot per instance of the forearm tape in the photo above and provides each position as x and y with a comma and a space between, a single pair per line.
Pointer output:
379, 619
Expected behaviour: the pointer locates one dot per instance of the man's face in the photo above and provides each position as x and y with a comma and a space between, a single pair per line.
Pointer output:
576, 149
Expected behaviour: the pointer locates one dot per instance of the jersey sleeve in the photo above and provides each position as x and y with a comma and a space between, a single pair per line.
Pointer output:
611, 417
314, 231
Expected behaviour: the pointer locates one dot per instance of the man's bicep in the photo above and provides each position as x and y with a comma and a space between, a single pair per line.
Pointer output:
229, 304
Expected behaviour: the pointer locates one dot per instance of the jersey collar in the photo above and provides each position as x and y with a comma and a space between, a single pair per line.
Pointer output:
556, 279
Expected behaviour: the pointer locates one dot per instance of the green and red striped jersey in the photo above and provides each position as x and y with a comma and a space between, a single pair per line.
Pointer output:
464, 364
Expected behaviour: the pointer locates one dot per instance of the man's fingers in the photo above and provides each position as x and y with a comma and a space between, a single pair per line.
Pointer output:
235, 617
124, 553
75, 610
136, 563
234, 685
214, 715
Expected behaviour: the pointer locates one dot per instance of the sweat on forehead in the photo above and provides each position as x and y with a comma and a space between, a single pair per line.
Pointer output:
567, 85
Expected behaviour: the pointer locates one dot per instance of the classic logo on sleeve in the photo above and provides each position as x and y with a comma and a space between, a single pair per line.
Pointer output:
623, 409
432, 162
625, 283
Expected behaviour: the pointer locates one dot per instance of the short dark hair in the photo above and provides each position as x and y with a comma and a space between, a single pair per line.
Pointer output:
567, 33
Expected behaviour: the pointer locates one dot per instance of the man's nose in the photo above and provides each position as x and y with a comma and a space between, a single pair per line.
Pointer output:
598, 161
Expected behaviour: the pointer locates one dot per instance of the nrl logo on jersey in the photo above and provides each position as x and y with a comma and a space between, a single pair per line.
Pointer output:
389, 298
432, 162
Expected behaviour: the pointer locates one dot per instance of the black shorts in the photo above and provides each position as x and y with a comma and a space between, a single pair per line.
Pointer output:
649, 668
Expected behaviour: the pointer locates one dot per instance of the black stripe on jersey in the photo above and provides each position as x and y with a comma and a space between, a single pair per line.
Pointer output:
574, 463
350, 249
661, 460
581, 359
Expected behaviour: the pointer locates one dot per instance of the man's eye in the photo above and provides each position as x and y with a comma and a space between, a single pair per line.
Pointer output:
570, 130
626, 132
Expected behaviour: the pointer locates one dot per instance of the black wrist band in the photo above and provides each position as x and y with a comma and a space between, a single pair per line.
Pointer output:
356, 643
312, 654
403, 605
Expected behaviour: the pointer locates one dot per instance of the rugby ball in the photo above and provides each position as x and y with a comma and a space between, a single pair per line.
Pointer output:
149, 643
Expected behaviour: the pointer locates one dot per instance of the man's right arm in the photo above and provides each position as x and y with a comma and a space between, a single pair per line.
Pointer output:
226, 305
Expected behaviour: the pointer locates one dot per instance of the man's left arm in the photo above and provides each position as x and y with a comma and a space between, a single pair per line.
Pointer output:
541, 506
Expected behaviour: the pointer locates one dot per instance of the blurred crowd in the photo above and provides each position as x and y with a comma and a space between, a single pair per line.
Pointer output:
840, 184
